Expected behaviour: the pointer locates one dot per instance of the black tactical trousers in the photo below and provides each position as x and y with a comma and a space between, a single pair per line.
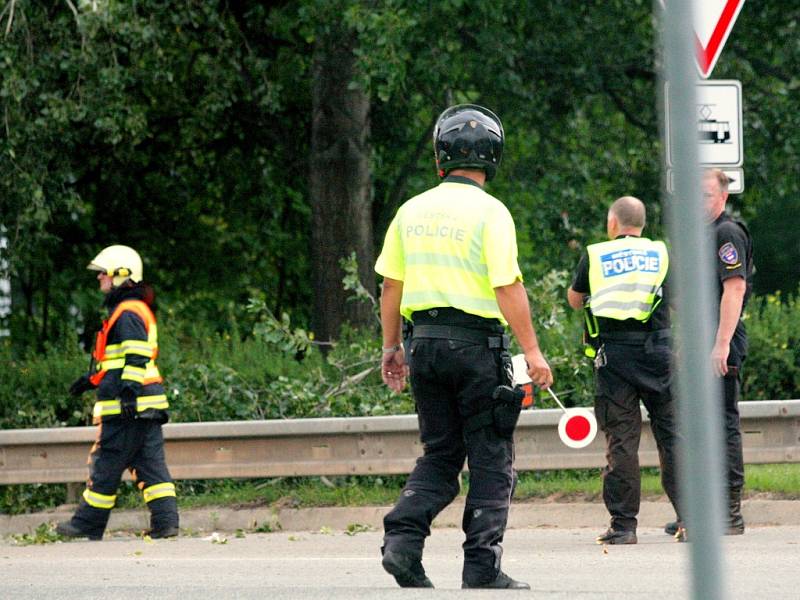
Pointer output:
733, 433
137, 445
626, 373
452, 380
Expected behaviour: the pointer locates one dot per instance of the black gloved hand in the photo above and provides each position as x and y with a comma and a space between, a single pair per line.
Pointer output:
127, 400
80, 385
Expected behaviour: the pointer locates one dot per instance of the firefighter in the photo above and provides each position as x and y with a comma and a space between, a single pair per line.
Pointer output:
449, 263
621, 284
131, 404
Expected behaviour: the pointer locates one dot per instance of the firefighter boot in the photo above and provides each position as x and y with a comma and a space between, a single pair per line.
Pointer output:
163, 517
88, 521
165, 532
68, 530
735, 520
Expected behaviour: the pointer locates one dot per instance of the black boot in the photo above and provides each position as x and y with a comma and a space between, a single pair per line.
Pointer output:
163, 532
501, 582
406, 569
617, 536
671, 528
68, 530
735, 519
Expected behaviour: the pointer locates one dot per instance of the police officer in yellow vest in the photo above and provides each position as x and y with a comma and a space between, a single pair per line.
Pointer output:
131, 404
449, 263
621, 285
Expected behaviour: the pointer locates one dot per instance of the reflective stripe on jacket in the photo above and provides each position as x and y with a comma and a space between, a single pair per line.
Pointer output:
107, 357
108, 408
625, 277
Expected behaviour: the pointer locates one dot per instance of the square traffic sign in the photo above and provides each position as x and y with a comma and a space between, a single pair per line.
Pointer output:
719, 123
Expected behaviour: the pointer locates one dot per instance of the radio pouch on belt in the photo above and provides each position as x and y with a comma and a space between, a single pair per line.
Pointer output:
503, 413
507, 399
508, 405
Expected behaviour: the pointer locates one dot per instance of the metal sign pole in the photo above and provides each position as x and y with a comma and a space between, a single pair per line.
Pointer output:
699, 400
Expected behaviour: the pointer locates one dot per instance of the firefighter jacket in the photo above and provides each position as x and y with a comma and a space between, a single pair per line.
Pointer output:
124, 356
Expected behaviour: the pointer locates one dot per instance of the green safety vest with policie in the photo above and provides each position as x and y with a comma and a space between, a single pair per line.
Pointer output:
625, 279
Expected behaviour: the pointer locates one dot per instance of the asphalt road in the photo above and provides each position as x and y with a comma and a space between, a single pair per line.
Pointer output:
558, 563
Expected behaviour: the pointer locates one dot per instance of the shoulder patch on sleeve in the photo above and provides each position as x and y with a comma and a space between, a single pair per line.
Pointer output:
728, 254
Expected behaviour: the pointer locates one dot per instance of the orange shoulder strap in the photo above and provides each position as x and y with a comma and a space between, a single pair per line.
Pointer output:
136, 306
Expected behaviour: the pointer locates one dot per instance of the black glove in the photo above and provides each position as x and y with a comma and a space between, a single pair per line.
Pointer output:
80, 385
127, 401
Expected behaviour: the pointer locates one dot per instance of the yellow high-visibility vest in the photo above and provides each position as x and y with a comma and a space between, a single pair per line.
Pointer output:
625, 277
451, 246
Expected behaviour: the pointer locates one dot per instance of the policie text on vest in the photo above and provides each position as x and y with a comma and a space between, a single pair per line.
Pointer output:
441, 231
626, 261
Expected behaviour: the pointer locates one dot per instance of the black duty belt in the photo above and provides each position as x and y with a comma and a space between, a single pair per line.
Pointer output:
635, 337
462, 334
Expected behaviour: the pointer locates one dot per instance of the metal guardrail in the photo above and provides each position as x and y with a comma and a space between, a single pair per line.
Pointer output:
353, 446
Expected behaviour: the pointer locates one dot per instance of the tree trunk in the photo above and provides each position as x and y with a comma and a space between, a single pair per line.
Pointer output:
340, 184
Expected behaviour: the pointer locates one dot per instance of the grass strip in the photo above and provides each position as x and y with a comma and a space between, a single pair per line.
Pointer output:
780, 481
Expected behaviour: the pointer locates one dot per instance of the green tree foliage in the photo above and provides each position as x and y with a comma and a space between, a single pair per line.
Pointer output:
184, 130
764, 53
172, 127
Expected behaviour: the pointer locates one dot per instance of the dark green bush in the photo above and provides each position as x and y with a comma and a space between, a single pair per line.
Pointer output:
262, 368
33, 389
772, 369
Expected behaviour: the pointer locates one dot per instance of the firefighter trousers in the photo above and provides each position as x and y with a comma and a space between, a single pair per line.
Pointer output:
452, 380
137, 445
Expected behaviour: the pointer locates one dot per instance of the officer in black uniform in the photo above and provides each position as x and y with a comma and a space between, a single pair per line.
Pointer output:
622, 286
734, 261
449, 264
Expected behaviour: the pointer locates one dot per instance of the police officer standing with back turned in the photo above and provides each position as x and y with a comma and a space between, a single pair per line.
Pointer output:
131, 404
449, 263
734, 270
621, 285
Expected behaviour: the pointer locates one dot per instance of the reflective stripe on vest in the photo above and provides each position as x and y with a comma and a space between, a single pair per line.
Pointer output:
104, 501
447, 255
625, 276
108, 357
159, 490
108, 408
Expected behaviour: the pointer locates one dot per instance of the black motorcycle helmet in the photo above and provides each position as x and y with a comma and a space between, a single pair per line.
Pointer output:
468, 136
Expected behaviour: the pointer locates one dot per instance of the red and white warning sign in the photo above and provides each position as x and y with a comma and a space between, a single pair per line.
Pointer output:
714, 20
577, 427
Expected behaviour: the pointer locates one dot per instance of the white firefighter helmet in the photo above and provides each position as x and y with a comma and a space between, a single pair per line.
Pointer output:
119, 262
